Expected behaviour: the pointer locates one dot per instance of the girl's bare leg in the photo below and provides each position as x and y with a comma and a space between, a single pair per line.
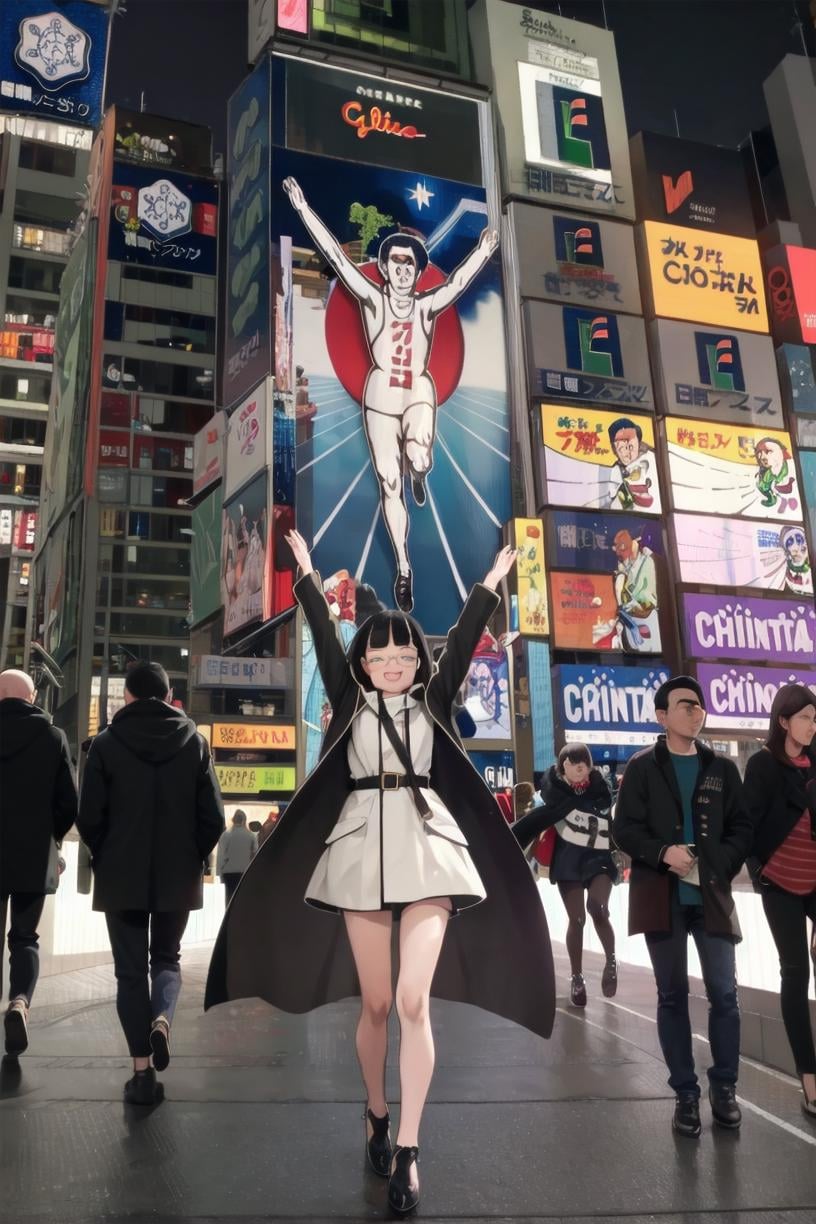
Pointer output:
370, 938
422, 929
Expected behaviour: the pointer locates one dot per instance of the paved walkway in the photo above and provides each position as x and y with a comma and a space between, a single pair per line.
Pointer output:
261, 1120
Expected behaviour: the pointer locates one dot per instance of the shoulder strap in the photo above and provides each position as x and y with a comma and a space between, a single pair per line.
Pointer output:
403, 755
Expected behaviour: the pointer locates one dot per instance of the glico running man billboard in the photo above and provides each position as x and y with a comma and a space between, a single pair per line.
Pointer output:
400, 385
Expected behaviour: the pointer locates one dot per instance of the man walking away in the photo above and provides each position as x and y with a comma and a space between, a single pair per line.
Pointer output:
150, 811
38, 805
682, 817
236, 847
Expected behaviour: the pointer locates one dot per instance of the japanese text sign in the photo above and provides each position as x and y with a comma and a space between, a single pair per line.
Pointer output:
269, 736
597, 459
731, 469
707, 278
529, 578
255, 780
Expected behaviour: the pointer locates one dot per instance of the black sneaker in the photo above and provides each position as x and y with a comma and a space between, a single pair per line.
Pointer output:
724, 1108
609, 978
686, 1120
142, 1089
160, 1043
16, 1026
404, 592
418, 489
578, 994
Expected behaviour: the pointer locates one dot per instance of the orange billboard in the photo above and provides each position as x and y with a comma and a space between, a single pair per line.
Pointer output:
705, 278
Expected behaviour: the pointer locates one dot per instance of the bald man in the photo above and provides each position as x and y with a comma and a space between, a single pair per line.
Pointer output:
38, 805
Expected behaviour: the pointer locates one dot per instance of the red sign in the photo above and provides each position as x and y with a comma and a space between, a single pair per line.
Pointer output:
376, 120
791, 280
675, 193
114, 448
25, 530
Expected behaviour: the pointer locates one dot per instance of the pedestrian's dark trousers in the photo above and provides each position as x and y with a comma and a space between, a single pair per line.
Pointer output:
787, 917
230, 880
23, 942
669, 954
138, 936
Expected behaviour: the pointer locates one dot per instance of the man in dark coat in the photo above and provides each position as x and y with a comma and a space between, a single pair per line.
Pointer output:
38, 804
682, 817
150, 812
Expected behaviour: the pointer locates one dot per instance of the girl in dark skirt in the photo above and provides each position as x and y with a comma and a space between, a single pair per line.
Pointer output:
577, 801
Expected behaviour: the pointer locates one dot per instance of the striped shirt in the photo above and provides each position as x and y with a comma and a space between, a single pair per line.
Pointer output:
792, 865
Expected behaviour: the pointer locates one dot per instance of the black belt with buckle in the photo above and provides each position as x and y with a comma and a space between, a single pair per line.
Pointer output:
389, 781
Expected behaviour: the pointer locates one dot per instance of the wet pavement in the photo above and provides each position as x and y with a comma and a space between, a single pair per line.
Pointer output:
262, 1119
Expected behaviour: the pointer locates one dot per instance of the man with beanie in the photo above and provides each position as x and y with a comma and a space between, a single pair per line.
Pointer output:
38, 803
681, 816
150, 812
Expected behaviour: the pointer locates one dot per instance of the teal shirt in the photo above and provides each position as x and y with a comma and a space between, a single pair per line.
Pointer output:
686, 769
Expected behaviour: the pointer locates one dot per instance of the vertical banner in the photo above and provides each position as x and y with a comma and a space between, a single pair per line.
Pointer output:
281, 566
247, 356
527, 582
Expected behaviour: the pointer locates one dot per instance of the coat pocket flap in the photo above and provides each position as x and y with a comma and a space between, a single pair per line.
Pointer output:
445, 826
349, 824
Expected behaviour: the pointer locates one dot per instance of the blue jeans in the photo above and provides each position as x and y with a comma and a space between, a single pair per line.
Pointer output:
669, 954
135, 934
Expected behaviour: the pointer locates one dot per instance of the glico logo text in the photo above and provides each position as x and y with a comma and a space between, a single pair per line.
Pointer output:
376, 120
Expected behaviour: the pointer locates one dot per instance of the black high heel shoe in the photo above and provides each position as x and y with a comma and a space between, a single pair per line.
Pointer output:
378, 1143
403, 1185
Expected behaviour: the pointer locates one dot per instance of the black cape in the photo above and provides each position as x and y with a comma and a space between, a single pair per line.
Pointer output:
274, 946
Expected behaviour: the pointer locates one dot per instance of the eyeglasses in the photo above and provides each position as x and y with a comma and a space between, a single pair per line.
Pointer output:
404, 660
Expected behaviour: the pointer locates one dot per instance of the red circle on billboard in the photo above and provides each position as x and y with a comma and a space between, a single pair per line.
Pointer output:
348, 347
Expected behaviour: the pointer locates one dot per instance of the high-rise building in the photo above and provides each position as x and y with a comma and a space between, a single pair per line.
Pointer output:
49, 104
135, 344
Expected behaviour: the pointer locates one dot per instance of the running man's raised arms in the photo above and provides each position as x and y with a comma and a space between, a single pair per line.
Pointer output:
456, 284
328, 246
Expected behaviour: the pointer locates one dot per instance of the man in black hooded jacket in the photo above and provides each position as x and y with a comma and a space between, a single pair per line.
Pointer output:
150, 812
38, 803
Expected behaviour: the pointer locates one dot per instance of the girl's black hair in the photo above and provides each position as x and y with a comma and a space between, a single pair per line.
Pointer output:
375, 633
789, 700
576, 754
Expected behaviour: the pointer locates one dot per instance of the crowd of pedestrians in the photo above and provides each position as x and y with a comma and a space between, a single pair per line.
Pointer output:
150, 813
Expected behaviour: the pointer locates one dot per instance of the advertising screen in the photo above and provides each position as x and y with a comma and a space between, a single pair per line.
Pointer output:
205, 559
244, 555
739, 553
598, 460
808, 461
247, 439
542, 715
691, 184
163, 219
726, 627
402, 432
728, 470
612, 706
588, 355
796, 374
208, 453
570, 258
557, 88
247, 324
617, 608
740, 699
707, 278
721, 374
52, 60
527, 581
791, 281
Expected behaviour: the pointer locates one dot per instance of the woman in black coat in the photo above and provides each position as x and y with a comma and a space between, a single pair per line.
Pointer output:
441, 848
577, 801
780, 787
